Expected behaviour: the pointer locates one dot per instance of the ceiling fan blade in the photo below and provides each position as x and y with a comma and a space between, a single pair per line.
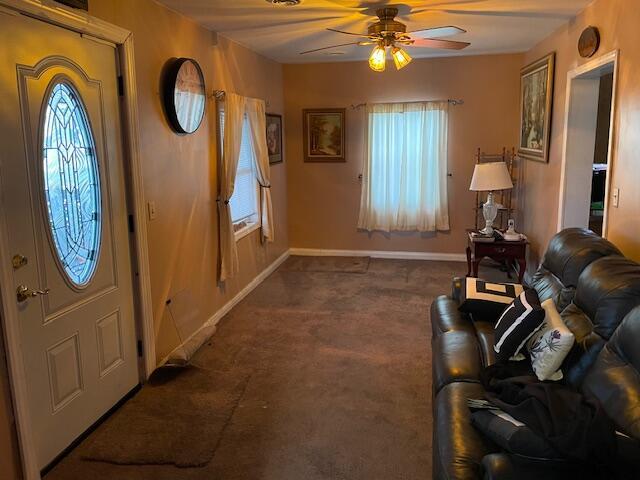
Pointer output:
496, 13
436, 43
437, 32
348, 33
336, 46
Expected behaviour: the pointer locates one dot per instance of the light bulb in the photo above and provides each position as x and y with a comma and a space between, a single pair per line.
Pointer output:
378, 59
400, 57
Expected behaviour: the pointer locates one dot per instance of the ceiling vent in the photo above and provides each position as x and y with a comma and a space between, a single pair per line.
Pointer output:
288, 3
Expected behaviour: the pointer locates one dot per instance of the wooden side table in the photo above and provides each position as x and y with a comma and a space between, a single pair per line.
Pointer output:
499, 251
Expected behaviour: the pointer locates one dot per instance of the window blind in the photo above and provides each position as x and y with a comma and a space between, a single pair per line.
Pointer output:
244, 201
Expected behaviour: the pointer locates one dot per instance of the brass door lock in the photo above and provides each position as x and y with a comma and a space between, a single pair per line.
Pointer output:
24, 293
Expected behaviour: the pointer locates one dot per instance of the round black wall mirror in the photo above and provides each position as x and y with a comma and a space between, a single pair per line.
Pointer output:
184, 95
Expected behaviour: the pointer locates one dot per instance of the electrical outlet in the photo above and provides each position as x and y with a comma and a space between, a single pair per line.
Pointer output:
151, 207
615, 197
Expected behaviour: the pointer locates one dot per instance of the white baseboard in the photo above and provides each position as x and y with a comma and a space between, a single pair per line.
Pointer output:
182, 352
313, 252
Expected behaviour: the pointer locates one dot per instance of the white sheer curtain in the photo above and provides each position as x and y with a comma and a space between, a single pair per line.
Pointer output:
234, 108
258, 124
405, 174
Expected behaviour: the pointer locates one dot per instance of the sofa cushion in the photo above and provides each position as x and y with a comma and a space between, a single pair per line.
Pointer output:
615, 377
486, 334
568, 254
455, 358
607, 290
458, 448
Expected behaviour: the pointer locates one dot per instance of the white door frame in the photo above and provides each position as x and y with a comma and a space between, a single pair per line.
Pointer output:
83, 23
595, 64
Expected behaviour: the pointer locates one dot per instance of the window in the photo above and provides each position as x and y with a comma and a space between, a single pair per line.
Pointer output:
244, 201
71, 184
405, 175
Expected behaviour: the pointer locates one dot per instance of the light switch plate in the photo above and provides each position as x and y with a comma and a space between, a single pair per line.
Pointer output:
151, 207
615, 196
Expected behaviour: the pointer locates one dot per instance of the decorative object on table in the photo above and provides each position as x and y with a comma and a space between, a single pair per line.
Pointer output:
550, 345
487, 300
274, 137
389, 33
81, 4
507, 253
184, 95
511, 235
507, 200
536, 100
589, 42
517, 324
490, 177
324, 134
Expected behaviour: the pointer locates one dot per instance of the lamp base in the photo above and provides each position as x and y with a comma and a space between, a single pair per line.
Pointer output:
489, 212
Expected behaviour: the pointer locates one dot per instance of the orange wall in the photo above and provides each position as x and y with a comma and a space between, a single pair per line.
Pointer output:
324, 199
618, 22
180, 177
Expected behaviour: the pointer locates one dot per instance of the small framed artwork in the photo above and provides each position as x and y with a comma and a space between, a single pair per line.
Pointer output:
324, 134
536, 103
274, 137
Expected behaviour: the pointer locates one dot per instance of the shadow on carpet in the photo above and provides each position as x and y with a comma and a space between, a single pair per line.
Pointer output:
177, 419
327, 264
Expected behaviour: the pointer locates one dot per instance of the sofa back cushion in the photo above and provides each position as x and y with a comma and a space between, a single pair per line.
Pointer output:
568, 254
607, 290
615, 377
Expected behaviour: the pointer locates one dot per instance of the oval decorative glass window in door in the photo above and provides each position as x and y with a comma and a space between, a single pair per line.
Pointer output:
71, 184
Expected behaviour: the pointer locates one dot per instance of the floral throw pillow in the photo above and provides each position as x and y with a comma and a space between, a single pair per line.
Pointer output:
550, 345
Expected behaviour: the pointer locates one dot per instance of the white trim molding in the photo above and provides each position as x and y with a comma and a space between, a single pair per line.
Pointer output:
435, 256
611, 58
81, 22
181, 353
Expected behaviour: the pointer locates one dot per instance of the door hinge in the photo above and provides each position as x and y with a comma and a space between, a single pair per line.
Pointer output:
120, 85
132, 227
139, 346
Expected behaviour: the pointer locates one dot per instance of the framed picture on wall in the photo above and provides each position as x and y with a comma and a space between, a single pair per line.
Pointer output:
536, 103
324, 134
274, 137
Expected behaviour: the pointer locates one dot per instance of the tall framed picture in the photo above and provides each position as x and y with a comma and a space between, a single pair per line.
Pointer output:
324, 134
536, 103
274, 137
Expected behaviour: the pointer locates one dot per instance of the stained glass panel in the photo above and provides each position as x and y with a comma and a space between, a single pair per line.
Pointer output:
71, 184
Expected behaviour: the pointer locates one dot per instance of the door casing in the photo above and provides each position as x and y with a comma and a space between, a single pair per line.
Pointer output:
84, 24
609, 59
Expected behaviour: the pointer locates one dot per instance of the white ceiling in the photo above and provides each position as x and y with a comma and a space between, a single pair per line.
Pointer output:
280, 33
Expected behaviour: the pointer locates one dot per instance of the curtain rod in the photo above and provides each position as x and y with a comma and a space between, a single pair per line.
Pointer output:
451, 101
220, 94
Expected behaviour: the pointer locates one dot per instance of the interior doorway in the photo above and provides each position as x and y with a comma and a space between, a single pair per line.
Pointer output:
590, 113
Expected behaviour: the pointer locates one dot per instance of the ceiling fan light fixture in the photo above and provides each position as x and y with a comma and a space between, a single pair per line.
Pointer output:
400, 57
378, 59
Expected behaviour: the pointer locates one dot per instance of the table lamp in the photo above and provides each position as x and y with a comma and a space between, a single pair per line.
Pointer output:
489, 177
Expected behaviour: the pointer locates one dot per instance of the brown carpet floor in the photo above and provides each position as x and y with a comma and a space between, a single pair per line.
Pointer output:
318, 374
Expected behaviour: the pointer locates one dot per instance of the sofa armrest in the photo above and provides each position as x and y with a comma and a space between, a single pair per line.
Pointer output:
504, 466
445, 317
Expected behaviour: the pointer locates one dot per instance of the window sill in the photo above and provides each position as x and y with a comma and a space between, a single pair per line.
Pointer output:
246, 230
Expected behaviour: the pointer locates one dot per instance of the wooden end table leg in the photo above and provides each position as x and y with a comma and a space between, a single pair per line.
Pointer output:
523, 266
476, 264
468, 261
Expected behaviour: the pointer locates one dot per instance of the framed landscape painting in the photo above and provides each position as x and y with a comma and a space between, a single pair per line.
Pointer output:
324, 134
536, 102
274, 137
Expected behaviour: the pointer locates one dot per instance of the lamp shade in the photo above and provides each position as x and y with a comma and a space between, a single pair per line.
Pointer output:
491, 176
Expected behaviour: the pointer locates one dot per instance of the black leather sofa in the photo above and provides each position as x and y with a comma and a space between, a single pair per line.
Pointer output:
597, 291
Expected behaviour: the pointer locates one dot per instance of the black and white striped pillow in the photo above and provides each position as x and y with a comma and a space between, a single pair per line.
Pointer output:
517, 324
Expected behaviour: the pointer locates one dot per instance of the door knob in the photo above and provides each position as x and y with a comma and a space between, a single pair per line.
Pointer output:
24, 293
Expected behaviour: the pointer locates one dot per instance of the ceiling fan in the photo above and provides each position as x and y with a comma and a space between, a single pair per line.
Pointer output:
387, 32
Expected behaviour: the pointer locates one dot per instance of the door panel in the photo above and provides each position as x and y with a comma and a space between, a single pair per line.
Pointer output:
77, 340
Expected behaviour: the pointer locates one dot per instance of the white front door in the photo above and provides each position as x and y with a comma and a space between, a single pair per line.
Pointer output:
62, 183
